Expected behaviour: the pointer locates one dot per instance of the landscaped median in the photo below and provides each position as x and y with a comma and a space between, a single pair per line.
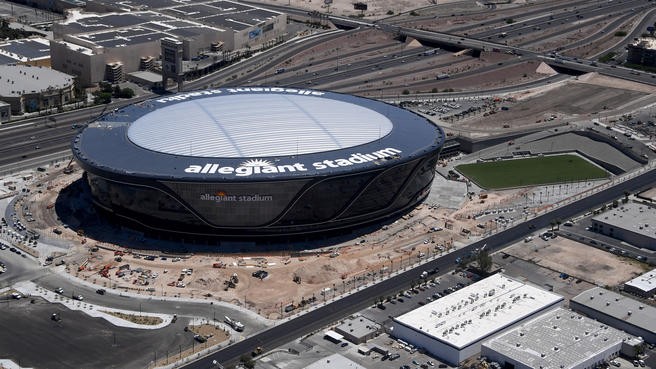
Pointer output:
541, 170
117, 317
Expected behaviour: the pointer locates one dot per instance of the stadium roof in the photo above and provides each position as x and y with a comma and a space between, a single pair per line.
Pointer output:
645, 282
257, 125
557, 339
619, 307
254, 133
476, 311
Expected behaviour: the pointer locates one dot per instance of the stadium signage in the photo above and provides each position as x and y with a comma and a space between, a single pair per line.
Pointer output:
264, 167
278, 90
223, 197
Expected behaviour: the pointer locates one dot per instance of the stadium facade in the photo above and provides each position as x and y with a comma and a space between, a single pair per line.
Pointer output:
258, 161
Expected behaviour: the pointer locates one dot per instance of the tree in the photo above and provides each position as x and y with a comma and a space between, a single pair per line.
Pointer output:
100, 97
126, 93
247, 361
484, 260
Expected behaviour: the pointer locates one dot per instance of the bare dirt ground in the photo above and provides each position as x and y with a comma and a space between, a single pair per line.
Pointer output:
294, 278
578, 260
568, 101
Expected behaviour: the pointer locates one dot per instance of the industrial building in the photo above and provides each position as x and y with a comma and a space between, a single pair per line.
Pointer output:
643, 286
358, 329
618, 311
109, 46
642, 51
28, 51
558, 339
631, 222
453, 327
258, 161
31, 89
335, 361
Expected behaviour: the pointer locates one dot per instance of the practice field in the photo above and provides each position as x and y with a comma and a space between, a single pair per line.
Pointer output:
531, 171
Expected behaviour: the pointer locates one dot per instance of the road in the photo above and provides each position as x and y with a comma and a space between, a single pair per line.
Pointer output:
320, 317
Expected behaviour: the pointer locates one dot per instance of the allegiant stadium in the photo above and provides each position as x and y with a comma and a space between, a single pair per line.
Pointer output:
258, 161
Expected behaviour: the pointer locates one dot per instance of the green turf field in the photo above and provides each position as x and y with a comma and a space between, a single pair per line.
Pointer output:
531, 171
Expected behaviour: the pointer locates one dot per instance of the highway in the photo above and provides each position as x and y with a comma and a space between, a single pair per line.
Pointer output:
322, 316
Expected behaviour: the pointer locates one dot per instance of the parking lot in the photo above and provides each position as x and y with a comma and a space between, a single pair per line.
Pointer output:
32, 338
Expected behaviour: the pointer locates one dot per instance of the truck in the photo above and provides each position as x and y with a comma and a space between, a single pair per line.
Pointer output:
236, 325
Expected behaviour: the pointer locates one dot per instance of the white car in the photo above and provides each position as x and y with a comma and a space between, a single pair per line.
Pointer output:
78, 297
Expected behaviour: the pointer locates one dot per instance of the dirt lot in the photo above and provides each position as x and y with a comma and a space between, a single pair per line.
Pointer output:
293, 277
578, 260
569, 101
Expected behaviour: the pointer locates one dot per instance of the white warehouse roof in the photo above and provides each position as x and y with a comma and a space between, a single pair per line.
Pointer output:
557, 339
474, 312
645, 282
335, 361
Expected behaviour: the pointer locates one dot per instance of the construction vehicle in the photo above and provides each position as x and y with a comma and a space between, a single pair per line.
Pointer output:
236, 325
105, 270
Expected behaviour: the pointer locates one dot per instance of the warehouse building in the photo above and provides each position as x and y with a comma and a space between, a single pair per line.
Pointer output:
618, 311
632, 222
109, 46
335, 361
358, 329
453, 327
643, 286
558, 339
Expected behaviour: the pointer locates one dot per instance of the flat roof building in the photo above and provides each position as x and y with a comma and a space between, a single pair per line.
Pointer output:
557, 339
335, 361
358, 329
632, 222
618, 311
87, 43
32, 51
643, 286
31, 89
453, 327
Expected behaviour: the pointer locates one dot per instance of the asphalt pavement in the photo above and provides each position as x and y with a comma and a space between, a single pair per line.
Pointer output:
31, 338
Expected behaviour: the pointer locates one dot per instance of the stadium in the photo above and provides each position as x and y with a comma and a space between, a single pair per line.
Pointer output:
258, 161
